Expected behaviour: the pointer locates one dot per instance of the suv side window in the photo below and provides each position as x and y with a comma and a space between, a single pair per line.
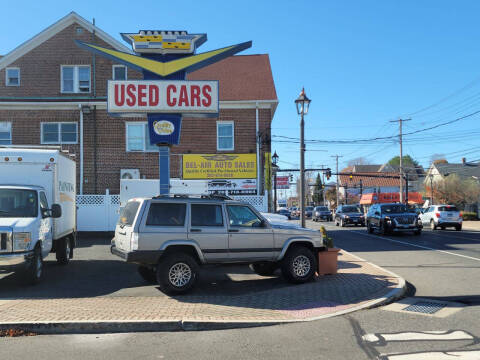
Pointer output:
166, 214
242, 216
206, 215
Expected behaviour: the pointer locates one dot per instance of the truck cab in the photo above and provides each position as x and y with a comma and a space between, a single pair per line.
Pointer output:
26, 228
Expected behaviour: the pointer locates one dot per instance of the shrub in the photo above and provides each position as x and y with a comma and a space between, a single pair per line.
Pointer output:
466, 215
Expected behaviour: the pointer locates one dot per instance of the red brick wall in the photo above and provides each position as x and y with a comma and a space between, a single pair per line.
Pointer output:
40, 68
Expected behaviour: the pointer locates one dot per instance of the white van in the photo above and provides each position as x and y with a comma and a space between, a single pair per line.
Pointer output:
37, 208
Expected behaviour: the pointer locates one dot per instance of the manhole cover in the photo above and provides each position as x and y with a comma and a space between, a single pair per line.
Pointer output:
425, 307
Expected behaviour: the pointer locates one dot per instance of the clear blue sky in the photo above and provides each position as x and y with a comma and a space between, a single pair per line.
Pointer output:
362, 63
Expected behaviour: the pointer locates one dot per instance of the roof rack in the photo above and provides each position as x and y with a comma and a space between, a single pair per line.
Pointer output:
216, 196
201, 196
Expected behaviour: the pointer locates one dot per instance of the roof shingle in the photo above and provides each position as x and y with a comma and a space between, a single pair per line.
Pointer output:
241, 77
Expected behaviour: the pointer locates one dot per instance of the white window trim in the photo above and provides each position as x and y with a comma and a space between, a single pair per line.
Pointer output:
113, 71
233, 135
59, 132
144, 138
6, 76
9, 123
76, 83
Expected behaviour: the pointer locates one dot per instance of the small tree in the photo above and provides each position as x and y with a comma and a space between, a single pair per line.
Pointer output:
318, 191
407, 161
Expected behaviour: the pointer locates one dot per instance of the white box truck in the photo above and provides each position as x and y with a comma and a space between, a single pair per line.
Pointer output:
37, 208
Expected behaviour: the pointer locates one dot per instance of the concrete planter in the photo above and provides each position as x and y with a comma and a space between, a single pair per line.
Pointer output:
327, 261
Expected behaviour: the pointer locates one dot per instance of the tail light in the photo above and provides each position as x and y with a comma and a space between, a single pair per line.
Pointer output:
460, 215
437, 215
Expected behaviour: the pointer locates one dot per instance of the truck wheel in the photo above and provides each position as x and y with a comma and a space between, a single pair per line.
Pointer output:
177, 273
148, 274
34, 270
264, 269
63, 250
369, 228
299, 265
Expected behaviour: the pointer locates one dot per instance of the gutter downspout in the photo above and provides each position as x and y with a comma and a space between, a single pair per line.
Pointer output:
257, 140
81, 148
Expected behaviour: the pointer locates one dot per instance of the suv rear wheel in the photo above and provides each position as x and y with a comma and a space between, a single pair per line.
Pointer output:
177, 273
299, 265
432, 225
264, 269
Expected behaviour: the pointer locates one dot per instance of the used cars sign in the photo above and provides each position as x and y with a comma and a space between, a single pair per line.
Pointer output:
166, 96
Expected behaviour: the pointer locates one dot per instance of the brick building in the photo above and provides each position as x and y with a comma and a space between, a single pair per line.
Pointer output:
54, 93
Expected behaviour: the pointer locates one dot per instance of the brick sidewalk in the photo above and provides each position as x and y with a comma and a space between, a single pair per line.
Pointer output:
358, 284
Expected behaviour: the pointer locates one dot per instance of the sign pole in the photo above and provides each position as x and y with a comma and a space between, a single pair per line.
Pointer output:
164, 168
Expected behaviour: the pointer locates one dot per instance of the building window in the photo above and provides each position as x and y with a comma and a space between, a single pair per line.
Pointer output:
119, 72
225, 133
5, 133
59, 133
75, 79
138, 138
12, 77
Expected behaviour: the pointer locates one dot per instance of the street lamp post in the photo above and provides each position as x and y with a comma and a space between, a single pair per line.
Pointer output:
302, 103
275, 161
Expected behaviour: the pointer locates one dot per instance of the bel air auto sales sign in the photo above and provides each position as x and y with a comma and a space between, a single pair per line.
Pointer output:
166, 96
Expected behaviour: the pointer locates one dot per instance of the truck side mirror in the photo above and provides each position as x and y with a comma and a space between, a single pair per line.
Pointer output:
56, 211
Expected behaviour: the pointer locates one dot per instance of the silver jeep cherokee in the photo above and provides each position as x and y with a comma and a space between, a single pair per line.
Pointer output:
170, 237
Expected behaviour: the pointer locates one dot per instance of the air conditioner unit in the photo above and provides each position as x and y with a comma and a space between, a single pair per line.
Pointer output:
129, 174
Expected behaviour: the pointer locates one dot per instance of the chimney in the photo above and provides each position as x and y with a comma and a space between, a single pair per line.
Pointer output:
464, 160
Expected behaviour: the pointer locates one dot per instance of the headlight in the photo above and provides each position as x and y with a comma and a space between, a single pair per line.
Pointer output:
346, 217
21, 241
134, 241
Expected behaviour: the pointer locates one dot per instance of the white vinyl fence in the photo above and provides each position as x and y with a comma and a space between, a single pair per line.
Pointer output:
101, 212
97, 212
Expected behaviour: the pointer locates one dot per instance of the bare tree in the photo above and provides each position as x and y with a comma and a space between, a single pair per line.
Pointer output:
359, 161
453, 190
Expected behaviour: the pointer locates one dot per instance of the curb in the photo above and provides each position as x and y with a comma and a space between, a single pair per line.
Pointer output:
79, 327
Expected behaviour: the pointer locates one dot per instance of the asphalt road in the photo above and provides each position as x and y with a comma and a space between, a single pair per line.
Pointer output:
441, 265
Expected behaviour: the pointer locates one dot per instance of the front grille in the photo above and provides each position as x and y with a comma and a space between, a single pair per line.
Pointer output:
5, 242
405, 220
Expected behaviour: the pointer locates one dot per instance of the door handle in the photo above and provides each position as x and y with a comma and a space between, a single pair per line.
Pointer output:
122, 232
232, 230
195, 230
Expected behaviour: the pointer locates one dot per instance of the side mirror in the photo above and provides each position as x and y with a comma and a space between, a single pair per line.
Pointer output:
56, 211
260, 224
377, 213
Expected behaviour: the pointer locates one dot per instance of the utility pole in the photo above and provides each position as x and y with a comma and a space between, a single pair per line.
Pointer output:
336, 157
400, 122
323, 186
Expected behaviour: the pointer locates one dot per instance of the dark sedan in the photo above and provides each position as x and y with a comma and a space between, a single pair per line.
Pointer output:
349, 214
321, 213
285, 212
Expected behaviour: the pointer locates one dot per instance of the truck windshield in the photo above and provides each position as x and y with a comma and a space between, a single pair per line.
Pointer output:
18, 203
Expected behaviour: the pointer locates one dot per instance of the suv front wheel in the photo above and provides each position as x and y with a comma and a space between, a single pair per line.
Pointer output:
299, 265
177, 273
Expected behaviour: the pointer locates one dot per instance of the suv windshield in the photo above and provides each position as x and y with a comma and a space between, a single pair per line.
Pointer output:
394, 209
18, 203
350, 209
309, 208
128, 213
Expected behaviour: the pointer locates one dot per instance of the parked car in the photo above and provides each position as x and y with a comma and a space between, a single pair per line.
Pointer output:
37, 209
294, 212
321, 213
442, 216
308, 211
389, 218
171, 237
349, 214
284, 212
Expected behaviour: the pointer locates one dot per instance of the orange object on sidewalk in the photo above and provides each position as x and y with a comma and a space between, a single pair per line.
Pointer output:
328, 261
